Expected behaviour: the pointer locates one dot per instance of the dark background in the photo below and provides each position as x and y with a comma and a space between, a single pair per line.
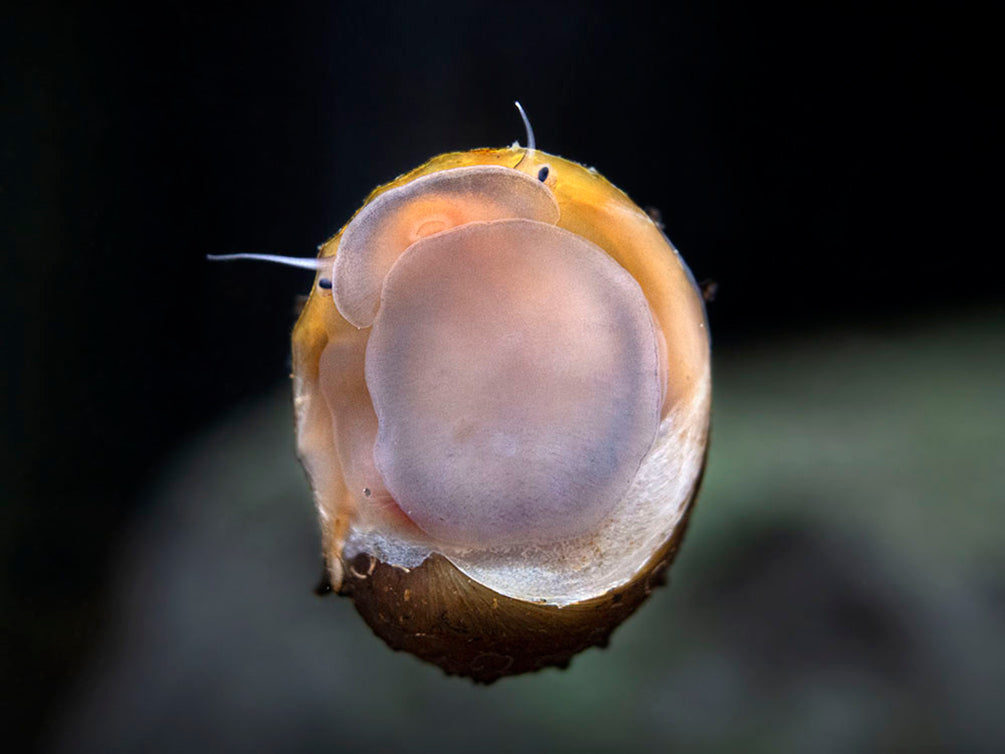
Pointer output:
829, 167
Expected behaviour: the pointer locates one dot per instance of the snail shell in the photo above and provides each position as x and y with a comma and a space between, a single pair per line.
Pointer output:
502, 394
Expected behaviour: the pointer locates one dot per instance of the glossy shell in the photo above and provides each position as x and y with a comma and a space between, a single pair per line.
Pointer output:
505, 608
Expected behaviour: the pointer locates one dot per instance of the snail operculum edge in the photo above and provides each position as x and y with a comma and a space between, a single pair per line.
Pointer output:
503, 592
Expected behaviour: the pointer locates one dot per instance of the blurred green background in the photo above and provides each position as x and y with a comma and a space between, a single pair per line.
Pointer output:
841, 587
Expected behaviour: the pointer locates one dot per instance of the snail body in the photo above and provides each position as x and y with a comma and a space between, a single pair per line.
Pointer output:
502, 391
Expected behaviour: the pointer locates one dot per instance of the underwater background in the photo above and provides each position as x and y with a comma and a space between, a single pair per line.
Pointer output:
842, 584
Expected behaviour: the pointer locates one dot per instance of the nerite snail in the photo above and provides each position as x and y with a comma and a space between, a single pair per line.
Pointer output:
502, 391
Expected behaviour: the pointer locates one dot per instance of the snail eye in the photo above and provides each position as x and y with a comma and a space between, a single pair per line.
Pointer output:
516, 377
394, 220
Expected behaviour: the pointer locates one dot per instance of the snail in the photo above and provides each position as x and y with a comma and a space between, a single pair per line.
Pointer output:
502, 392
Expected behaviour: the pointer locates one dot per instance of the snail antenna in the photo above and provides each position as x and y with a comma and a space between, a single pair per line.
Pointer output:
531, 144
306, 263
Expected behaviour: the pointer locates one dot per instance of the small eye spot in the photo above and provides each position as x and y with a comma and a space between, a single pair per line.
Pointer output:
542, 174
325, 284
366, 492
